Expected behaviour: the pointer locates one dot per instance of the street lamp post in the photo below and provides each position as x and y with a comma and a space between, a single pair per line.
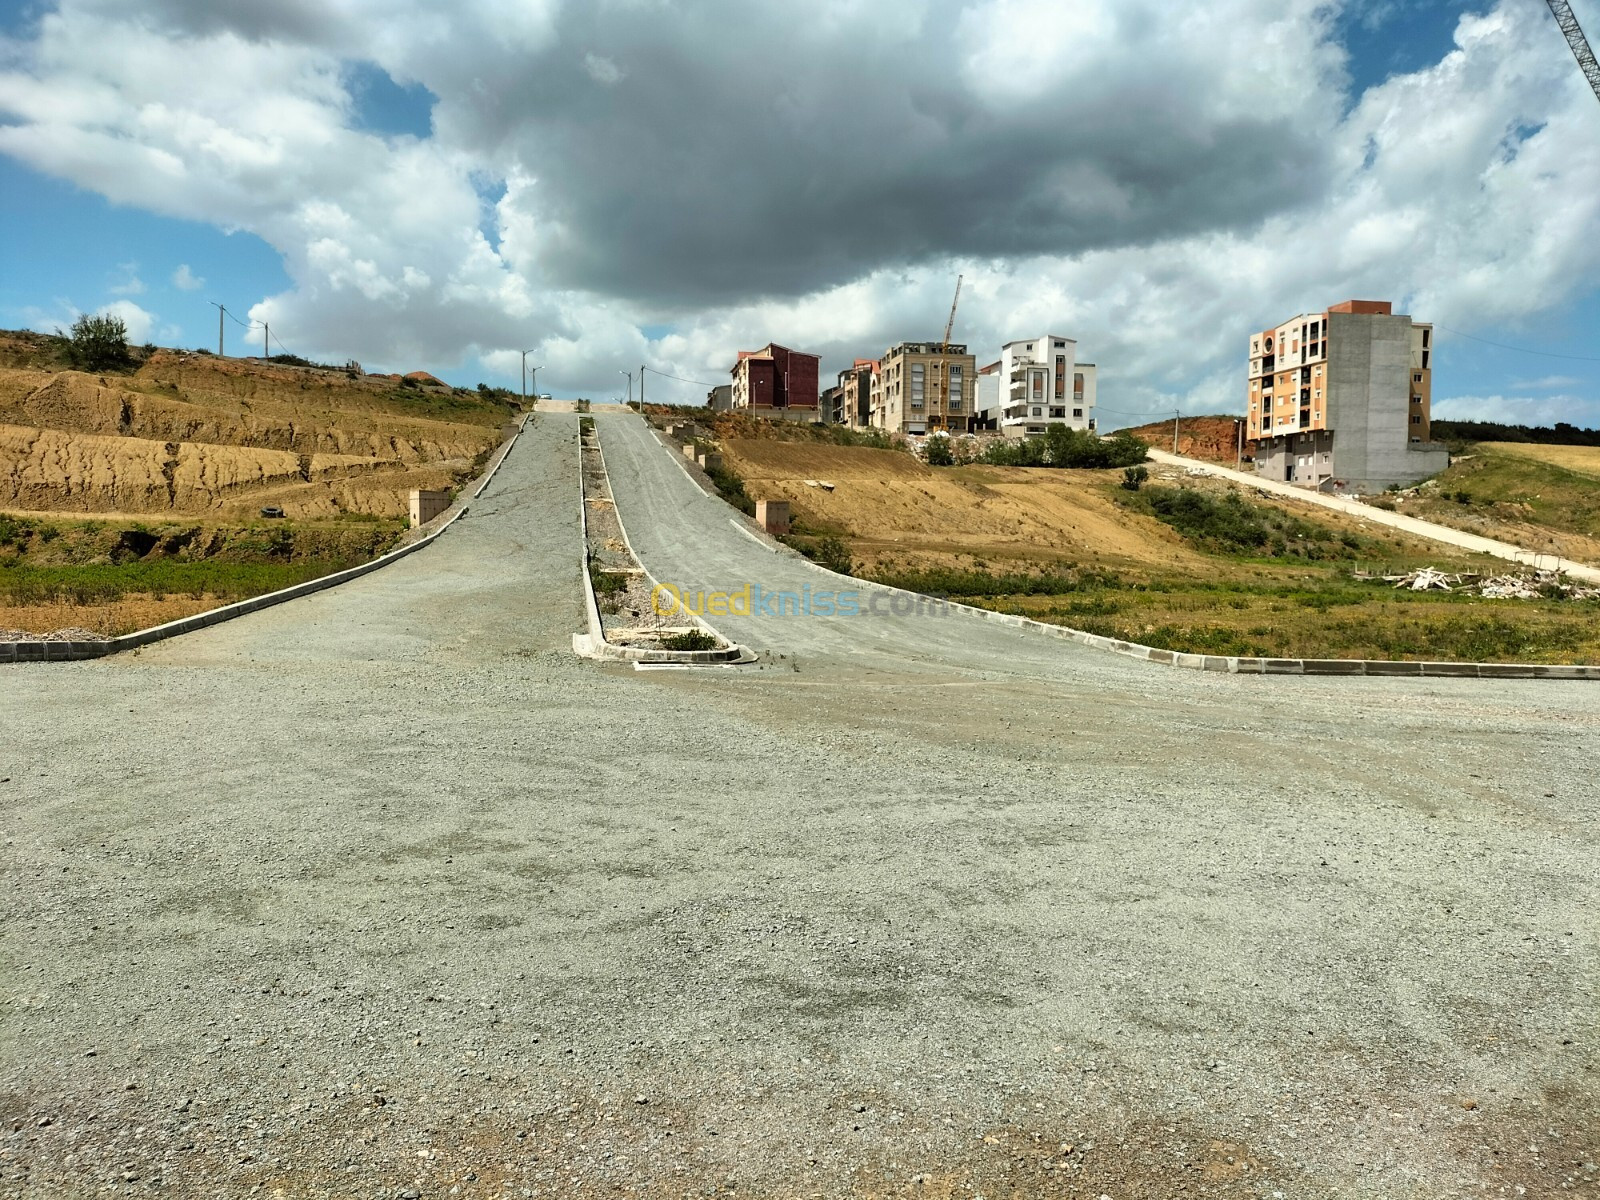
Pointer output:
525, 354
629, 374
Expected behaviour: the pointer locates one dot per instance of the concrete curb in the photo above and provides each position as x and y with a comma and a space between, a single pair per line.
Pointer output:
50, 651
1218, 663
593, 644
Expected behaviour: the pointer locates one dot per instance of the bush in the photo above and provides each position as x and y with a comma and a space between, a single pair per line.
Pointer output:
693, 639
830, 552
1063, 446
939, 454
731, 488
99, 343
1134, 478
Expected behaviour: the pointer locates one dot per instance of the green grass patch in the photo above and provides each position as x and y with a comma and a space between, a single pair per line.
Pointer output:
1229, 524
107, 583
692, 639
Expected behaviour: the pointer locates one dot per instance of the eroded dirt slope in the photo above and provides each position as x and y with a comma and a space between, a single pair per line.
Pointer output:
194, 433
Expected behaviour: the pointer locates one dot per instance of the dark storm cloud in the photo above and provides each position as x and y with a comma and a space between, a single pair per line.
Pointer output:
737, 155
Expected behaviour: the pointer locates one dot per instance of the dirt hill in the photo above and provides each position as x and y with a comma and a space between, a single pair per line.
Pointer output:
1212, 439
192, 433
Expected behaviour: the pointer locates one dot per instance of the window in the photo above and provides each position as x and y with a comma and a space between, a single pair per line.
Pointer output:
1077, 413
1416, 377
1037, 412
1077, 385
1425, 337
1058, 412
917, 370
1416, 418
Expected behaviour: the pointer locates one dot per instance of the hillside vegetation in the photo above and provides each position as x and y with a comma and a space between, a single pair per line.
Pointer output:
1543, 497
1193, 564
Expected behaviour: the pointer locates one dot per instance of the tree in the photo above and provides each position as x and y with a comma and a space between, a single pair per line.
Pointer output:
939, 451
99, 342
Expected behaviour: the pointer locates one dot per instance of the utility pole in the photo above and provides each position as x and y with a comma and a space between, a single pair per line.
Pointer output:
266, 342
533, 378
221, 313
1176, 413
629, 374
525, 354
1238, 453
641, 389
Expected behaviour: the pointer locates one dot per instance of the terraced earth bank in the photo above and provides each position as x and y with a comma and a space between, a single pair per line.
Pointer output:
192, 433
135, 497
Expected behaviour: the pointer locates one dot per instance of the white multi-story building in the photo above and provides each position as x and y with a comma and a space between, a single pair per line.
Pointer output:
1039, 384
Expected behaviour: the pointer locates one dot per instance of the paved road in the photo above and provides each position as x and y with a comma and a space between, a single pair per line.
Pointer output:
383, 891
1412, 525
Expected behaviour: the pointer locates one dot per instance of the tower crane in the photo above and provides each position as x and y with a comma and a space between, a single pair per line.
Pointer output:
944, 349
1562, 11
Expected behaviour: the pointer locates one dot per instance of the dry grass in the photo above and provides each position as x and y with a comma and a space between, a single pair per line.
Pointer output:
1585, 460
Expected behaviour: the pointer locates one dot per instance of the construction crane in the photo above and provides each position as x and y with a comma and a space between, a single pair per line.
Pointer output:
1580, 44
944, 349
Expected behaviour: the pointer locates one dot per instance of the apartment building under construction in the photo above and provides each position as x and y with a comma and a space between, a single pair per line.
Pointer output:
1340, 400
924, 386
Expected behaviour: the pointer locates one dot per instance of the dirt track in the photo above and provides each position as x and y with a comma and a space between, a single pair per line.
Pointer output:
383, 892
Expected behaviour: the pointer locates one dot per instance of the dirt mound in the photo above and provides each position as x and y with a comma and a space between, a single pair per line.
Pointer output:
1211, 439
763, 459
891, 505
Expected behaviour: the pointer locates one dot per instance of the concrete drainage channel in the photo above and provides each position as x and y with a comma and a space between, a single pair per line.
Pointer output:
65, 651
623, 624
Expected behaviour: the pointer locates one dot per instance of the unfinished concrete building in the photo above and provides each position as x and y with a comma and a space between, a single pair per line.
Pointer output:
1340, 400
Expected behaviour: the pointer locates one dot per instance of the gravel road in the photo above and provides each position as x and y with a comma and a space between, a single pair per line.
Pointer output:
382, 893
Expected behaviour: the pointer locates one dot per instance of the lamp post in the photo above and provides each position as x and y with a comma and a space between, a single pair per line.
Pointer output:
525, 354
629, 374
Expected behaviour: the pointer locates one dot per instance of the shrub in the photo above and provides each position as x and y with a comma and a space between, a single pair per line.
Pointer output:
1133, 478
693, 639
99, 343
939, 454
1063, 446
830, 552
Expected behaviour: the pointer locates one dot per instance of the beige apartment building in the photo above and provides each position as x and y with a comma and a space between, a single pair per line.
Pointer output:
923, 386
855, 384
1341, 400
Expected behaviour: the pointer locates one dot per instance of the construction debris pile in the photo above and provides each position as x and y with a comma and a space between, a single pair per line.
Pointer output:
1536, 585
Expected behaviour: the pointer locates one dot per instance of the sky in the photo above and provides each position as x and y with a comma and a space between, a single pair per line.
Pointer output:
616, 183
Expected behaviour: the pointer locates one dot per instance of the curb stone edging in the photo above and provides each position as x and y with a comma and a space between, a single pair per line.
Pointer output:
1229, 664
53, 651
593, 644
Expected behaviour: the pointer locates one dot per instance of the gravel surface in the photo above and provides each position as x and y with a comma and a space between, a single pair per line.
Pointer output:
381, 893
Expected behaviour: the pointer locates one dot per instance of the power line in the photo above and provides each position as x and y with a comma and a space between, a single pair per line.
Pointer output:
680, 378
1516, 349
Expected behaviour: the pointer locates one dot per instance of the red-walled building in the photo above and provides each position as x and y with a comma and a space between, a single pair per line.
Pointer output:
777, 381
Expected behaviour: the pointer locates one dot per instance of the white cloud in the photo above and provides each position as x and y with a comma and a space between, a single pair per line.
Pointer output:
186, 280
139, 322
1521, 410
1548, 383
1109, 173
127, 282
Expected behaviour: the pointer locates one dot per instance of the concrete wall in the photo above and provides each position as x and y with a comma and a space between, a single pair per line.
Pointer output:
1369, 404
